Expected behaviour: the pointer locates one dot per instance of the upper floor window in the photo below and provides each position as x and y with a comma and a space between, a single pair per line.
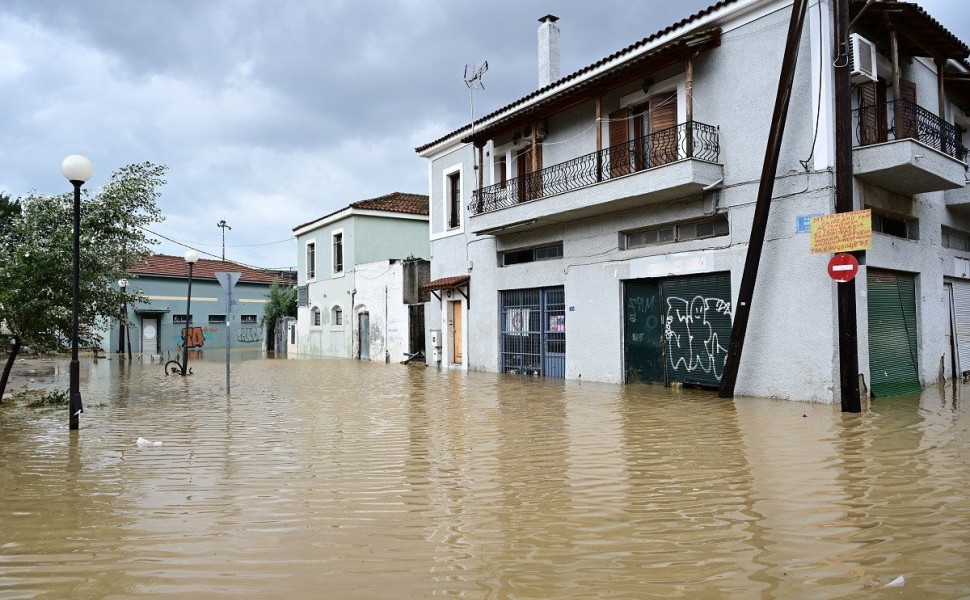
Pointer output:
677, 232
956, 240
311, 260
454, 199
338, 252
514, 257
895, 226
644, 135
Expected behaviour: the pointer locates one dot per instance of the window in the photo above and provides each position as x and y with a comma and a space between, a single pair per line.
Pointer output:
680, 232
217, 318
338, 252
514, 257
315, 317
895, 226
338, 316
247, 319
181, 318
454, 200
311, 260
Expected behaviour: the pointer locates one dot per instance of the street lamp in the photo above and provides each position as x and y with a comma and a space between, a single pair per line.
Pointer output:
77, 170
191, 257
123, 325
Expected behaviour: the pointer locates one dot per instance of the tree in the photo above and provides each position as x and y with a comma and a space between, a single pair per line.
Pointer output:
37, 273
280, 302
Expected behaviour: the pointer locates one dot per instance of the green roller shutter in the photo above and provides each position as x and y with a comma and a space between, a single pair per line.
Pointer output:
643, 332
697, 313
893, 364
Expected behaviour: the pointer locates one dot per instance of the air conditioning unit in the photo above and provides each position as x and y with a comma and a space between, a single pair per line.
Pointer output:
862, 57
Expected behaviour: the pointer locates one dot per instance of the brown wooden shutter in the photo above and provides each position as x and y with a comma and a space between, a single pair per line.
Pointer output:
663, 129
619, 153
905, 117
868, 113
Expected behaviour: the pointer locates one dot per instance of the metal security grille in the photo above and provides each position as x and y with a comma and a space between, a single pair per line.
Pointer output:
532, 323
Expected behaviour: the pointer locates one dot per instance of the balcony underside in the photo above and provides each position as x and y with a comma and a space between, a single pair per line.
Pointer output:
680, 179
907, 167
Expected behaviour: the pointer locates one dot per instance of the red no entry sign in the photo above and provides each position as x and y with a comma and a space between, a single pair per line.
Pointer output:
843, 267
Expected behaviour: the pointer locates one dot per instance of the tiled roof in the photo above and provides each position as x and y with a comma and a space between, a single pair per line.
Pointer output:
446, 283
395, 202
175, 266
577, 74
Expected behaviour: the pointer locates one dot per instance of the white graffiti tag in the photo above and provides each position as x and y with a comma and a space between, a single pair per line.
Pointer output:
693, 344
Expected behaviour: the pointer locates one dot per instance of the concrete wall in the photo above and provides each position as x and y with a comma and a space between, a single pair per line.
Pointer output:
379, 293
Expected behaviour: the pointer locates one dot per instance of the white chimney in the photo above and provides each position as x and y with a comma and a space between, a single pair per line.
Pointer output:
548, 50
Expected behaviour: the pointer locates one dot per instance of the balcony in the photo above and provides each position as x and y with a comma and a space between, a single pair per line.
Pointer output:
665, 165
958, 199
904, 148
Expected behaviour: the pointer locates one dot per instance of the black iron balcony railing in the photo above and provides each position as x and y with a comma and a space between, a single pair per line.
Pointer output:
687, 140
905, 119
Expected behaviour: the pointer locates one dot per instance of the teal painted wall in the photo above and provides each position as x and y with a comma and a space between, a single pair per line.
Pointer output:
324, 241
168, 295
380, 239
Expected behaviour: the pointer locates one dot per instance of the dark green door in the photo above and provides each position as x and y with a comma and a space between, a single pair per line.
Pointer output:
893, 366
643, 332
697, 317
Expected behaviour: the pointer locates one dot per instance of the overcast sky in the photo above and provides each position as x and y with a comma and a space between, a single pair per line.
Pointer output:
270, 114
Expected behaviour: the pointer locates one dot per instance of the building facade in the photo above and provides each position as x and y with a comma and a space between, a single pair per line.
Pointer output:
605, 234
158, 326
359, 272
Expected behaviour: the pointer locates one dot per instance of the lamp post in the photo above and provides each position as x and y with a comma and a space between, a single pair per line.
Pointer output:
77, 170
191, 257
224, 227
122, 326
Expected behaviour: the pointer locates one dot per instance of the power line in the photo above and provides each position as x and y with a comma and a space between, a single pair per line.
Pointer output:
190, 247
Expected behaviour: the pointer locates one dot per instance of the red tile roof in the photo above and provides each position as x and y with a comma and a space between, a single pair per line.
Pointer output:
446, 283
395, 202
175, 266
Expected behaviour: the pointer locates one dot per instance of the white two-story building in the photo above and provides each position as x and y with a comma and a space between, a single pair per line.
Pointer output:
360, 270
597, 227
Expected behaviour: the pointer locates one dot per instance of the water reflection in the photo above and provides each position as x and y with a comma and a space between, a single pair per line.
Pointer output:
354, 480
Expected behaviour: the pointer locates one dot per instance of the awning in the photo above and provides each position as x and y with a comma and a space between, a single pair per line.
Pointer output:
450, 283
919, 34
151, 311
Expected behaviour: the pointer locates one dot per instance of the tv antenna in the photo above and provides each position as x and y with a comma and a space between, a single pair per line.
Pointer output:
473, 79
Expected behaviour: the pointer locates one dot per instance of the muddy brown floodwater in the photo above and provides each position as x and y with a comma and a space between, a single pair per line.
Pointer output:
341, 479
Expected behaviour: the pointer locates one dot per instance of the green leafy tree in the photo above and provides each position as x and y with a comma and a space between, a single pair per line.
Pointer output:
280, 302
37, 272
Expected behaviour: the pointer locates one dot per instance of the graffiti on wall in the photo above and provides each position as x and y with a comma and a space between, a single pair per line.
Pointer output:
194, 337
693, 343
249, 334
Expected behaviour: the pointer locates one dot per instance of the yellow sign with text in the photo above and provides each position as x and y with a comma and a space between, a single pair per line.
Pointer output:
842, 232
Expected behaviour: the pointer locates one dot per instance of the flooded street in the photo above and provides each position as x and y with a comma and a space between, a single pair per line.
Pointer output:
341, 479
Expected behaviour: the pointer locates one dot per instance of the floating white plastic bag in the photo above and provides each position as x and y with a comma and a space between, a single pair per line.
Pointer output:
143, 442
898, 582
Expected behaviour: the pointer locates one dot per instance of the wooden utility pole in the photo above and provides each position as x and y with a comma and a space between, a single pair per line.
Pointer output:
844, 202
742, 309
